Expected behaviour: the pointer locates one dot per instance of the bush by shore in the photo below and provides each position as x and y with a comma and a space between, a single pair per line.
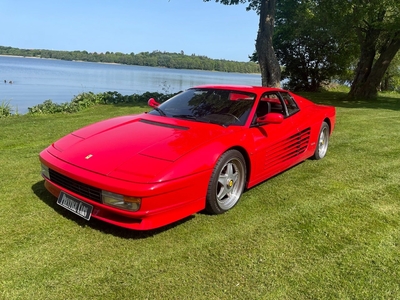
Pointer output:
83, 101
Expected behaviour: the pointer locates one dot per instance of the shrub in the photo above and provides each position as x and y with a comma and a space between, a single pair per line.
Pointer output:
5, 109
86, 100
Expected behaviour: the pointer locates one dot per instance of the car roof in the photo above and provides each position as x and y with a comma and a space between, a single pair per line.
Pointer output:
235, 87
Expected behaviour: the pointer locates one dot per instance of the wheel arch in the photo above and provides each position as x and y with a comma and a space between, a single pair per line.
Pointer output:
327, 120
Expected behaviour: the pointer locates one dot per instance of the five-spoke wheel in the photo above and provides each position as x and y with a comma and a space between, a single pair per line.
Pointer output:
322, 142
227, 182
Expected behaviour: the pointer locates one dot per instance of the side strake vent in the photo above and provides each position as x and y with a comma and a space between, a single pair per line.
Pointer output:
289, 148
164, 124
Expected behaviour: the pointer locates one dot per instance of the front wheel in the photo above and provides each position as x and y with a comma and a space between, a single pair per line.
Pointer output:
227, 182
322, 142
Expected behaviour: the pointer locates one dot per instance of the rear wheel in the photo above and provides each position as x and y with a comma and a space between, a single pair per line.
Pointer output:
227, 182
322, 142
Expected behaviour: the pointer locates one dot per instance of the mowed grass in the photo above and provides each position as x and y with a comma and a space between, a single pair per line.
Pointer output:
327, 229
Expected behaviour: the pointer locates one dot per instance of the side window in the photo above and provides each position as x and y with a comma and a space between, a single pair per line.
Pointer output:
291, 105
275, 102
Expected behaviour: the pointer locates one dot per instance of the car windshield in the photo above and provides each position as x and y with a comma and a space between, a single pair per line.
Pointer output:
218, 106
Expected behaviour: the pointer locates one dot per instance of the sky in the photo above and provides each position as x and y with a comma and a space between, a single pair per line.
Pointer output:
192, 26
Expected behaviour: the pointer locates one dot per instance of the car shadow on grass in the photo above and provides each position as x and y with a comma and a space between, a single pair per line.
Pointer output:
41, 192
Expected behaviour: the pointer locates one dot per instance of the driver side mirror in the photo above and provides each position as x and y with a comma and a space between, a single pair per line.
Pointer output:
270, 118
153, 103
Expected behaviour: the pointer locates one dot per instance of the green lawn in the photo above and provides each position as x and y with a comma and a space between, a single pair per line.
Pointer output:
326, 229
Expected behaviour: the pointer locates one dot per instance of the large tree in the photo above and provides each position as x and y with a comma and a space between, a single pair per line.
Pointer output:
376, 24
269, 65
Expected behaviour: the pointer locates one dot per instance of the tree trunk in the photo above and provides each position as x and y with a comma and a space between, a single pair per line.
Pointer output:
269, 64
368, 51
366, 84
379, 69
369, 74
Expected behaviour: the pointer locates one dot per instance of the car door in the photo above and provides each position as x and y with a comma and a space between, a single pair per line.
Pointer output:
302, 123
277, 146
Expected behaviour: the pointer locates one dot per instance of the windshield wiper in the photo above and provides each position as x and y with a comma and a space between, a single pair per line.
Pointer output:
160, 111
189, 117
217, 123
201, 119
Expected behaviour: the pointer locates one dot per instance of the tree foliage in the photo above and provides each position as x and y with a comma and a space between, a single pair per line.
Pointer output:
310, 50
374, 27
324, 38
151, 59
317, 41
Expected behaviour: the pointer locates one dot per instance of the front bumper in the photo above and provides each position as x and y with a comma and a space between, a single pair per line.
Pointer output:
162, 203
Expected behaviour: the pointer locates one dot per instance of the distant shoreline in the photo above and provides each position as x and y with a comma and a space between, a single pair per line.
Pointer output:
169, 60
48, 58
119, 64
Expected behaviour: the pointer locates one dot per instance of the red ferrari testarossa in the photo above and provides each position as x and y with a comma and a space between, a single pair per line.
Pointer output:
197, 151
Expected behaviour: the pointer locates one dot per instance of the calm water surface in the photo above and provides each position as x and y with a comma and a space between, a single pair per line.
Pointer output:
36, 80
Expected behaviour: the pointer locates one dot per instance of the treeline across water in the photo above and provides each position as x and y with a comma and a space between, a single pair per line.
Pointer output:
149, 59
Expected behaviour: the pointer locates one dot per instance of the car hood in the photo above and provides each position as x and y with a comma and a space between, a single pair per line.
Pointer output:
142, 145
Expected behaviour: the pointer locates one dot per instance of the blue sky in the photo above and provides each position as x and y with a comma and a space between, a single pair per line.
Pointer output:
192, 26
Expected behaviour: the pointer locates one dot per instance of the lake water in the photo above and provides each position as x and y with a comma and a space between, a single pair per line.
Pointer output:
36, 80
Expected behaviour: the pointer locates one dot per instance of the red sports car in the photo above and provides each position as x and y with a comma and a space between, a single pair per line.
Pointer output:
197, 151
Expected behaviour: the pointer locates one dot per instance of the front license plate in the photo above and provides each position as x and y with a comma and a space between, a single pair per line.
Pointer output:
75, 205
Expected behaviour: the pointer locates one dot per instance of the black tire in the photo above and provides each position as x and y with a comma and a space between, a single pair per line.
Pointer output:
322, 142
227, 182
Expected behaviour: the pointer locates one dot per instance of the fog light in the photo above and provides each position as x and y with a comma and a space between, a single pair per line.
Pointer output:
45, 171
120, 201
